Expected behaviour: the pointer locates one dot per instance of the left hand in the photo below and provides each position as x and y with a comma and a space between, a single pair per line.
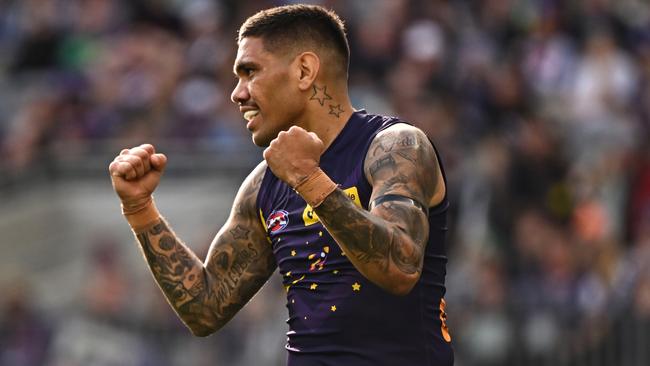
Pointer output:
294, 155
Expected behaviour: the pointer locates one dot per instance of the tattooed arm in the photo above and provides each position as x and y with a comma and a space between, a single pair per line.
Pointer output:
240, 260
387, 244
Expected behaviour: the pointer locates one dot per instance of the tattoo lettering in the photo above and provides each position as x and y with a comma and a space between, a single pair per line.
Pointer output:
407, 141
233, 274
320, 94
394, 144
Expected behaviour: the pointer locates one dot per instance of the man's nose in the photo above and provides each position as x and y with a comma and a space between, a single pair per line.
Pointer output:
240, 93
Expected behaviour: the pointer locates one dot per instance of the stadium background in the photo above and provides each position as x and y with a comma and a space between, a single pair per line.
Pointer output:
540, 108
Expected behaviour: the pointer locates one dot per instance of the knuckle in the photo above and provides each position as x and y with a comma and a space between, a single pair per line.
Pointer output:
135, 160
139, 152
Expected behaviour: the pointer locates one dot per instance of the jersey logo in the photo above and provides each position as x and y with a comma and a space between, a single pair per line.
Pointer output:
310, 217
277, 221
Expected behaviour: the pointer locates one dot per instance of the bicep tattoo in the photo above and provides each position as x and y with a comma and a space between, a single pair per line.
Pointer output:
402, 162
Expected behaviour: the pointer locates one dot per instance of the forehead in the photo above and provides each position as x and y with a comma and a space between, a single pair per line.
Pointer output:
251, 49
250, 46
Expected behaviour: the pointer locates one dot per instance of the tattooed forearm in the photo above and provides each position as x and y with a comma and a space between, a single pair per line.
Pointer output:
374, 240
204, 298
174, 268
207, 296
233, 272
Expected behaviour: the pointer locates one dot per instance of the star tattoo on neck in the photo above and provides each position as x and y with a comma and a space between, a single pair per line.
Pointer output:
336, 110
320, 94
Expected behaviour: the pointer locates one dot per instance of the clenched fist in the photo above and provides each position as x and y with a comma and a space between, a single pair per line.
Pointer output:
294, 155
135, 174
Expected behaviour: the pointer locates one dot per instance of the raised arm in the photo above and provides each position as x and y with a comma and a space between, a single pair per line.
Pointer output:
386, 244
240, 260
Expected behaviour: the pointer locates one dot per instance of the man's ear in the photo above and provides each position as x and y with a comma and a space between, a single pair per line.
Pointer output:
308, 66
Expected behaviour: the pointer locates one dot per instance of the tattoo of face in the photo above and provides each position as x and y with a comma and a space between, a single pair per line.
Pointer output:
336, 110
320, 94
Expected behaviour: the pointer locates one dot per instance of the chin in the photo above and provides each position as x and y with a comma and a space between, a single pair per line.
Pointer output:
261, 141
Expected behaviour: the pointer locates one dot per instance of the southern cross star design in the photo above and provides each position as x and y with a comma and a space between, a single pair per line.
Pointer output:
320, 95
336, 110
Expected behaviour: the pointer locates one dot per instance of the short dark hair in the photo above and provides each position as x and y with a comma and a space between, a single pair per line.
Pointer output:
289, 27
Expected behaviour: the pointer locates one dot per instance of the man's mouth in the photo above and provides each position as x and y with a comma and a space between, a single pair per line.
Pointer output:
249, 115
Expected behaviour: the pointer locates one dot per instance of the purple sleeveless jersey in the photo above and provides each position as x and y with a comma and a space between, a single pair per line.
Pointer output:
336, 316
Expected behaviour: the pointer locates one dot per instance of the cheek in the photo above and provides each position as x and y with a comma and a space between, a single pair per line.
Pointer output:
286, 100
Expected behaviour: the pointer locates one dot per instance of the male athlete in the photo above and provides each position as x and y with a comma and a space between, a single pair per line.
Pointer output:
350, 206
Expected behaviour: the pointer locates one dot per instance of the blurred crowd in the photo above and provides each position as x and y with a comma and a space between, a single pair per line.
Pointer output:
539, 108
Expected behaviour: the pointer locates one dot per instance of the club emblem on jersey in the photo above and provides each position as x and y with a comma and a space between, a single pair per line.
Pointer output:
277, 221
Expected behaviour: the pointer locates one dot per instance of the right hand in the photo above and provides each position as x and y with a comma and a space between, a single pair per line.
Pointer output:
135, 174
